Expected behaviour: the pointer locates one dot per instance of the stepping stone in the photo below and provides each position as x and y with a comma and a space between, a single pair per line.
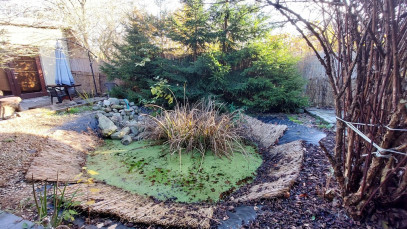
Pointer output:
325, 114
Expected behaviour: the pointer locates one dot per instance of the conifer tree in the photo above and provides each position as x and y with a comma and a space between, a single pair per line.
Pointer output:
191, 27
236, 23
133, 62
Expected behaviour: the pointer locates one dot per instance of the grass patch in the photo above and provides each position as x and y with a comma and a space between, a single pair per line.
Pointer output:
75, 110
322, 124
154, 171
294, 119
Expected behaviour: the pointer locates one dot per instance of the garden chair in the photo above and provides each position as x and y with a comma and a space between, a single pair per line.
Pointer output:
57, 92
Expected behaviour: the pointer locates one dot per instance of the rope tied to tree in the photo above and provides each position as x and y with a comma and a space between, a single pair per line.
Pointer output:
380, 150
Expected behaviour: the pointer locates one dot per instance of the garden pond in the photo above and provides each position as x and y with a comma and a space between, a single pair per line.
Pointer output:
151, 170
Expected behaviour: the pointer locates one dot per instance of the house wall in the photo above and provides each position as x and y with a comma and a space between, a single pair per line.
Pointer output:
83, 75
43, 39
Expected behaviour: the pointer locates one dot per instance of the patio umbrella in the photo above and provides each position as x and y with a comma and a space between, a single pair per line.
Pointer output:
63, 75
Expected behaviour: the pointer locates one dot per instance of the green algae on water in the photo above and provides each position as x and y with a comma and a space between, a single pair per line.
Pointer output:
151, 170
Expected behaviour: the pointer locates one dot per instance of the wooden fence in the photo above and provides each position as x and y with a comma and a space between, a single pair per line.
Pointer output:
317, 89
82, 74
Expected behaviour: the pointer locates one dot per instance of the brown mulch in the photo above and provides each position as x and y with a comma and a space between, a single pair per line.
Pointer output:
22, 140
313, 201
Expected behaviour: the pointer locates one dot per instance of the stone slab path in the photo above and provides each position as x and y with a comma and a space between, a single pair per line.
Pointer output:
45, 102
139, 209
328, 115
284, 175
37, 102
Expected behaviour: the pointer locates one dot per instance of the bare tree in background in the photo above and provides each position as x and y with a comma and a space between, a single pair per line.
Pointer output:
95, 24
364, 53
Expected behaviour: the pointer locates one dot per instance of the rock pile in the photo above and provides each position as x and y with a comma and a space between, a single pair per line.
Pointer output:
120, 120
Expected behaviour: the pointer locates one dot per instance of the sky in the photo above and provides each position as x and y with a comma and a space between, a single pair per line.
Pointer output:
152, 7
303, 8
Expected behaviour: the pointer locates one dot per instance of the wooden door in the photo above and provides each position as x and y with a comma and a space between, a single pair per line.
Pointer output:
27, 77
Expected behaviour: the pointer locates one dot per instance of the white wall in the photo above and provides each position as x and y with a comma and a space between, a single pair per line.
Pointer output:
44, 39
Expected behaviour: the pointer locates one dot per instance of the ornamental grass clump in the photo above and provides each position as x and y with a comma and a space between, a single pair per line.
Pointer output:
201, 128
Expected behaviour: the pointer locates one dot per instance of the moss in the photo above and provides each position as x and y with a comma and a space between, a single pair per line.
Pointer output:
322, 124
294, 119
151, 170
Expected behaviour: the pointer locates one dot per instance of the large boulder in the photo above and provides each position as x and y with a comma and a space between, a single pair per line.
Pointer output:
120, 134
106, 126
8, 106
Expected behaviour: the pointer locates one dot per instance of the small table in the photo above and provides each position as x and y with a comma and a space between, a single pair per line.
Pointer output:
62, 91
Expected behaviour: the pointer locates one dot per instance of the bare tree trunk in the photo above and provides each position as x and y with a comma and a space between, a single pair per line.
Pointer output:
369, 49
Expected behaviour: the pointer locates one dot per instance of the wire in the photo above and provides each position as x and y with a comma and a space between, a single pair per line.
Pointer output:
380, 150
364, 124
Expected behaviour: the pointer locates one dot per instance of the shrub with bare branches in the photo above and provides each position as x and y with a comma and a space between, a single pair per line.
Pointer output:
364, 53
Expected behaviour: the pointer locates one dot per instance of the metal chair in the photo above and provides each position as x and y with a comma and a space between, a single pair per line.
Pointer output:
57, 92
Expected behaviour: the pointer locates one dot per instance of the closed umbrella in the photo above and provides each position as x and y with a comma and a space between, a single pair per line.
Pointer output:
63, 75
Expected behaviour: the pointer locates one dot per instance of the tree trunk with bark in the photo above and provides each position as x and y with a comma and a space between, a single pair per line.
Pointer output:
364, 53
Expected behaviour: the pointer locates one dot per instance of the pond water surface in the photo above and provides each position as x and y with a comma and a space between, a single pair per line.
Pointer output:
241, 214
295, 131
